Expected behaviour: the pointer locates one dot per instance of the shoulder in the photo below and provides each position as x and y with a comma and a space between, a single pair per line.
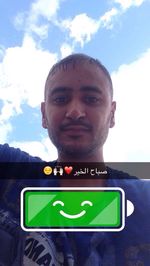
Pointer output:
10, 154
136, 189
120, 178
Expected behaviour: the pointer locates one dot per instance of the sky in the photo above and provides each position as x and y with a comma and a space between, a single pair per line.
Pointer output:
36, 34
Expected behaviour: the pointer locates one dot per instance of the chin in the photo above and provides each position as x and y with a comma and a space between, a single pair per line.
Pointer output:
74, 151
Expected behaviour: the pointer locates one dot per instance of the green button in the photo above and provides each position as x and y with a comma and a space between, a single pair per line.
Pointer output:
62, 209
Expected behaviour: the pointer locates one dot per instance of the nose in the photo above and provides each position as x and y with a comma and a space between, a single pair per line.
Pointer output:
75, 111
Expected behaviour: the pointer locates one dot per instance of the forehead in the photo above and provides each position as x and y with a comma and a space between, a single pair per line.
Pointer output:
80, 74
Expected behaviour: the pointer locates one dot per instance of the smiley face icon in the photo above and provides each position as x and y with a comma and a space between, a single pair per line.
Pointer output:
72, 216
73, 209
47, 170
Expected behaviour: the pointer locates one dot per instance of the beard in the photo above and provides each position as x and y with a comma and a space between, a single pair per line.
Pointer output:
74, 152
79, 150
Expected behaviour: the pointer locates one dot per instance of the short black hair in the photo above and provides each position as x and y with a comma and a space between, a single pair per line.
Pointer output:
73, 59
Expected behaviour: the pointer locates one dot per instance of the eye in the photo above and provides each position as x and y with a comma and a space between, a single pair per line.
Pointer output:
58, 202
91, 99
60, 100
86, 202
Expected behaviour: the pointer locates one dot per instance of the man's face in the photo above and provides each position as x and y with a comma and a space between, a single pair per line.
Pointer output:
78, 109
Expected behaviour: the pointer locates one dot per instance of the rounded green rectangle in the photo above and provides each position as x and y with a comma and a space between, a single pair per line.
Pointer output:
72, 209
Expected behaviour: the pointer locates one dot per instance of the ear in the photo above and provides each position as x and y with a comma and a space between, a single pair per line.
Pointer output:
44, 120
112, 114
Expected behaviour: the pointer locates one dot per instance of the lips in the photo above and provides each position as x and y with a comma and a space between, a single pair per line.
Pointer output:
75, 132
75, 127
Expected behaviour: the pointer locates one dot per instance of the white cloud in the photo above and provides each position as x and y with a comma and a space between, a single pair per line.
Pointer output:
45, 8
5, 129
8, 110
22, 76
81, 28
30, 21
43, 149
107, 18
125, 4
129, 140
66, 50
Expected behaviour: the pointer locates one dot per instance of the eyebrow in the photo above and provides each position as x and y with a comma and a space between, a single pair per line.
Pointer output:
91, 89
60, 89
82, 89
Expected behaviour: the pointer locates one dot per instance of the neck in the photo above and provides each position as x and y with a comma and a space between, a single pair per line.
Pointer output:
83, 183
89, 182
91, 158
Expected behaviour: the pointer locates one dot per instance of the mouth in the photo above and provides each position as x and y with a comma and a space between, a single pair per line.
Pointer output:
75, 216
76, 127
76, 132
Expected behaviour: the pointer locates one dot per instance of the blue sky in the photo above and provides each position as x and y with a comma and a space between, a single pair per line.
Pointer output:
35, 34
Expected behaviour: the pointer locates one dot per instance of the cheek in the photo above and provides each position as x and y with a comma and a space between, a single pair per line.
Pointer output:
95, 118
54, 117
100, 119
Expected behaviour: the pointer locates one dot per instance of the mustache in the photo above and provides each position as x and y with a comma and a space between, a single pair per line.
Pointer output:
83, 124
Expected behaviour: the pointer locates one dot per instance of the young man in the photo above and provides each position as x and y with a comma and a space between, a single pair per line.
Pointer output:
77, 112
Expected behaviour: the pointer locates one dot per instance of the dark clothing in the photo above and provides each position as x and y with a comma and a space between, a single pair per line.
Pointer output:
129, 247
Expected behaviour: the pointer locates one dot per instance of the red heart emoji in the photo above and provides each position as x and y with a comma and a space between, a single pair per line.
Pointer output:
68, 169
